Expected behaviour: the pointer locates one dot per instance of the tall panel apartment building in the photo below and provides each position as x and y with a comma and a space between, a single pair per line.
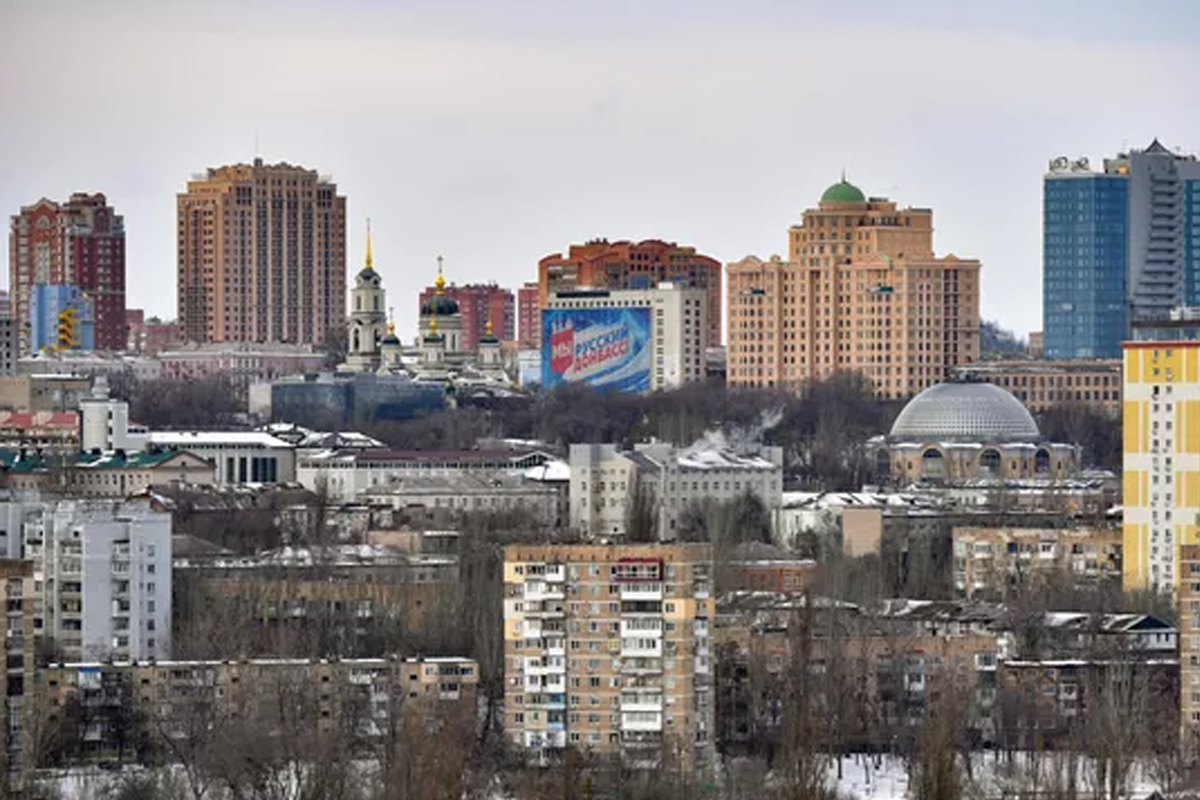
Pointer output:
601, 264
479, 304
78, 243
607, 648
104, 572
1161, 432
861, 291
1119, 245
262, 255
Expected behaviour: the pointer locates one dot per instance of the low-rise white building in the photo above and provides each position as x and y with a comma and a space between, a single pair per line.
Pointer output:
344, 475
605, 482
240, 456
104, 568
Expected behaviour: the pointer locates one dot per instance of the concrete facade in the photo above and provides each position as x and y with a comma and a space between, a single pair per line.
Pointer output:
607, 649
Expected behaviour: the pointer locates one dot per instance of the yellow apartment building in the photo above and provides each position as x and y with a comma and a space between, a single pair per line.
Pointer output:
606, 650
1161, 477
861, 290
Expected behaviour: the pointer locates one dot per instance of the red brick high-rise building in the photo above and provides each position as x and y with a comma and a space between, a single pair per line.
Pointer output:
77, 243
529, 317
601, 264
479, 304
262, 255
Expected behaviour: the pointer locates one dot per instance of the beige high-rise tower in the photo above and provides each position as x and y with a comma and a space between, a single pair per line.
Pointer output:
861, 291
262, 255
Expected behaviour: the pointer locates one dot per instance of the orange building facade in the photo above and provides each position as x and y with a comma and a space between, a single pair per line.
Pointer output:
861, 291
601, 264
262, 255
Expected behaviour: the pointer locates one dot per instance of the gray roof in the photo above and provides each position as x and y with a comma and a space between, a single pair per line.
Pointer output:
965, 411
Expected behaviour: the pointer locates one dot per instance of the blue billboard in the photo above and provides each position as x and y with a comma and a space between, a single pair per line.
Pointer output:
605, 348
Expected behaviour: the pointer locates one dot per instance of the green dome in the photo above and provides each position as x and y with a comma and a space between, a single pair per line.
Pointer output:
843, 192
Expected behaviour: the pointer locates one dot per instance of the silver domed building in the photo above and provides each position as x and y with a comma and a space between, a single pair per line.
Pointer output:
967, 430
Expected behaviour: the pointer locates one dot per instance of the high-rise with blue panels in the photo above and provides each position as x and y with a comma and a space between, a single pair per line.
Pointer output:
1085, 260
1118, 245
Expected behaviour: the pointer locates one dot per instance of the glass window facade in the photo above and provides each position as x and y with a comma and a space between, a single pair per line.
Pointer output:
1085, 254
1191, 240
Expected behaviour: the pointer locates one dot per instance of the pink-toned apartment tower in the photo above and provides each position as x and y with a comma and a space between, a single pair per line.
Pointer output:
861, 291
262, 255
529, 317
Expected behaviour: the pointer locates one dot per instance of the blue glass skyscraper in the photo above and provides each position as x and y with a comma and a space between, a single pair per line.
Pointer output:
1085, 263
1119, 246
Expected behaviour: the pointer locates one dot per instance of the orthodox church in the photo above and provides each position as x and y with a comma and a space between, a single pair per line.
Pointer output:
436, 356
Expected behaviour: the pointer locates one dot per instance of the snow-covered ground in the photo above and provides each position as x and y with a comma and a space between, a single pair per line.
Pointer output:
863, 777
867, 778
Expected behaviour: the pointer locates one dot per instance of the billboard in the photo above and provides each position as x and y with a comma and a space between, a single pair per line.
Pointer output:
606, 348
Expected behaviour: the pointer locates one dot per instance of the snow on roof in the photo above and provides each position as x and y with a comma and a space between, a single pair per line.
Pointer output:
554, 470
185, 439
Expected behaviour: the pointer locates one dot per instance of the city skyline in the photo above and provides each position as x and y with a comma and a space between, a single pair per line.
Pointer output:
466, 129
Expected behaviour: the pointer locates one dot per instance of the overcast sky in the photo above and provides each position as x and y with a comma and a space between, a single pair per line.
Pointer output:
497, 132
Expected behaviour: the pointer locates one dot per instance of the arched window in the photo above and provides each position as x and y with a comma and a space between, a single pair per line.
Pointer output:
376, 302
354, 340
990, 462
1041, 461
933, 466
357, 303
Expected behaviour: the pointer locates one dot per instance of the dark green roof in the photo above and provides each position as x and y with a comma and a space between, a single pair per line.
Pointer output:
366, 273
843, 192
32, 462
439, 306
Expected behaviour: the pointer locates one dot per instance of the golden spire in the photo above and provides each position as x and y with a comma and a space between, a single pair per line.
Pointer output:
487, 327
391, 329
439, 284
433, 327
370, 258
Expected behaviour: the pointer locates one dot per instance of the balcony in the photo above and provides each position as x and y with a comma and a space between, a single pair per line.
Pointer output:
556, 573
642, 702
641, 666
649, 629
641, 648
645, 721
641, 591
547, 610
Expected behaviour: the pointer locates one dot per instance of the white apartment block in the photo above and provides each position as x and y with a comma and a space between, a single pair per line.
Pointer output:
607, 649
104, 568
604, 481
678, 326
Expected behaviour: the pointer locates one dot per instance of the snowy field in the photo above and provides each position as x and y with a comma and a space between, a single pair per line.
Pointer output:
863, 777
